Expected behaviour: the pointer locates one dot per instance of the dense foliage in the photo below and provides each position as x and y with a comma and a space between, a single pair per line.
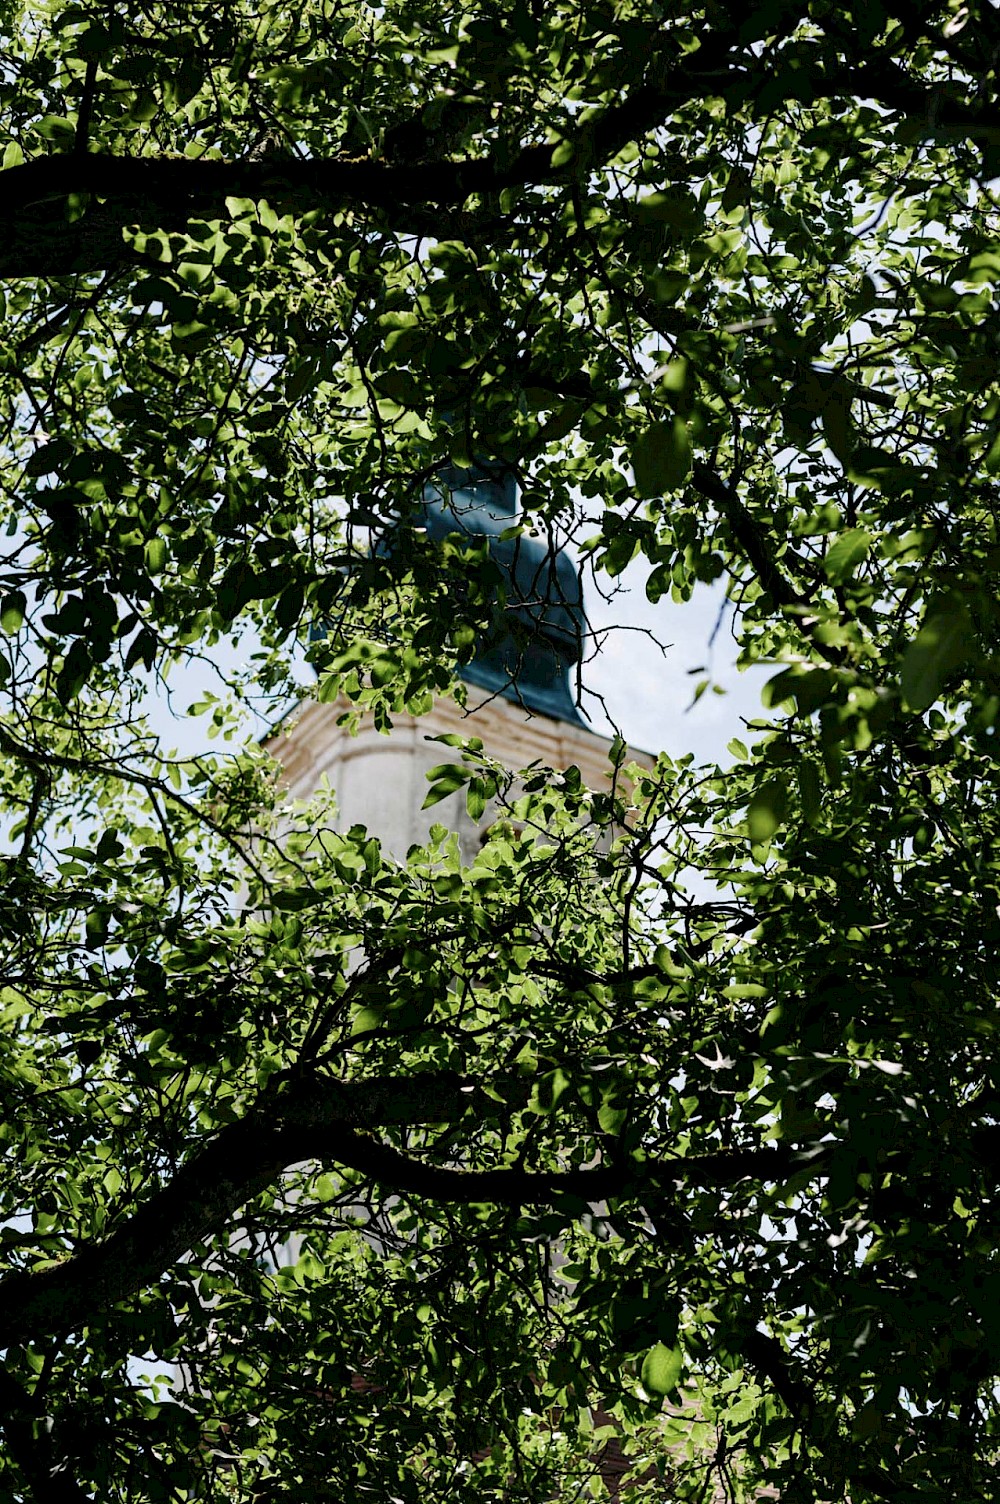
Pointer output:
326, 1177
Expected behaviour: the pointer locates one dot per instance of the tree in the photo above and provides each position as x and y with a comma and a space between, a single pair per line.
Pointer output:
717, 284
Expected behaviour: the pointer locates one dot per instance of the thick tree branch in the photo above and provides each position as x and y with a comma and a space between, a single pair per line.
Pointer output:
526, 1187
751, 538
245, 1159
313, 1118
166, 193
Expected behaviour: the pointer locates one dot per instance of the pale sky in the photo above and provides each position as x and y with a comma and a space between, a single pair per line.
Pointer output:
649, 692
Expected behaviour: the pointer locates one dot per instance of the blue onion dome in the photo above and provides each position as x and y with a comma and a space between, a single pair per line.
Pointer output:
535, 637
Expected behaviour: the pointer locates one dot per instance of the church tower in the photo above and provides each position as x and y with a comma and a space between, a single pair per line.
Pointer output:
521, 703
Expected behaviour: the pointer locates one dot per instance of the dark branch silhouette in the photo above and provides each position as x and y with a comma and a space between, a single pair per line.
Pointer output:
331, 1122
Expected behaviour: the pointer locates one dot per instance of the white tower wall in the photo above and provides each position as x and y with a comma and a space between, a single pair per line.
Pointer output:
380, 781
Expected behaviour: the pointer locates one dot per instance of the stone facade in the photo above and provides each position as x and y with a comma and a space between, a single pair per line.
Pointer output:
380, 781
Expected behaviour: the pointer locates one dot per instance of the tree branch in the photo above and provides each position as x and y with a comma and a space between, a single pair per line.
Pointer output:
167, 192
244, 1160
86, 109
757, 547
534, 1188
313, 1118
754, 542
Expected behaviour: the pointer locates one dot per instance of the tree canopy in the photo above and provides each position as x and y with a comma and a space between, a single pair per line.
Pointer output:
662, 1135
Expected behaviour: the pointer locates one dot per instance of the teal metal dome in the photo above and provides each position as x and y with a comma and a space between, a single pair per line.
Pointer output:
535, 638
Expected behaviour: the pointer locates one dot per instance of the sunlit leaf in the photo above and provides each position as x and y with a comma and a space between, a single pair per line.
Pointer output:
661, 1369
847, 551
766, 811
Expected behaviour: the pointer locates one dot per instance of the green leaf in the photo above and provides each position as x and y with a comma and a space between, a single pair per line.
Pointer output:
942, 645
75, 671
766, 811
365, 1020
611, 1118
289, 606
738, 189
156, 555
324, 1188
95, 42
810, 791
661, 1369
142, 649
55, 128
674, 378
676, 207
845, 554
49, 457
837, 426
452, 739
548, 1090
661, 458
447, 778
12, 609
